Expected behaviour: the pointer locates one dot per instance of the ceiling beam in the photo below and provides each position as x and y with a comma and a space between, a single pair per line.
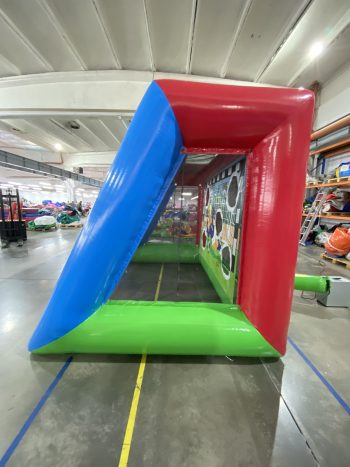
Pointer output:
284, 37
151, 58
318, 21
83, 93
118, 91
26, 42
287, 31
108, 130
88, 159
92, 133
72, 133
9, 65
100, 19
329, 39
62, 32
191, 36
241, 22
31, 131
13, 161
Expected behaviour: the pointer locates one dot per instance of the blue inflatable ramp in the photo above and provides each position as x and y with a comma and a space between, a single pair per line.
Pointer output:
137, 186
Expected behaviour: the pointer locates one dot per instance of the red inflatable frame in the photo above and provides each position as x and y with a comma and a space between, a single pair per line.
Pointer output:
272, 126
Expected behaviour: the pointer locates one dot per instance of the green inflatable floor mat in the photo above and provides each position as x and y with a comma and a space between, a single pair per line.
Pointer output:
174, 328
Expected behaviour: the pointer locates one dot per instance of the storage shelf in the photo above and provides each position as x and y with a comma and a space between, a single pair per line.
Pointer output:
338, 144
337, 218
320, 185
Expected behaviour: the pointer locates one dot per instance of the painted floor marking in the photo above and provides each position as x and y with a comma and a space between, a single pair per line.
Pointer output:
328, 385
124, 456
11, 449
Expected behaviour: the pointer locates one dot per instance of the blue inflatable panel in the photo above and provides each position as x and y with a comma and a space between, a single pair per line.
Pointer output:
140, 178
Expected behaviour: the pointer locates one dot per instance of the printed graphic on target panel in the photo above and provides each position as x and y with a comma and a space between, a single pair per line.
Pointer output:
221, 226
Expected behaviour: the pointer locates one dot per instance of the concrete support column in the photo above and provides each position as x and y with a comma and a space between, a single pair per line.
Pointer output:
71, 190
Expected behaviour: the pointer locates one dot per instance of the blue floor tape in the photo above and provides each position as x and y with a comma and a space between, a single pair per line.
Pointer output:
5, 458
328, 385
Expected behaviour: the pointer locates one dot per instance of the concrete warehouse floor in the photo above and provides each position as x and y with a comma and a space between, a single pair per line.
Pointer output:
192, 411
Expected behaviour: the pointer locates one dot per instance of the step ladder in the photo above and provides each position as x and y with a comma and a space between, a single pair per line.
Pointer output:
312, 215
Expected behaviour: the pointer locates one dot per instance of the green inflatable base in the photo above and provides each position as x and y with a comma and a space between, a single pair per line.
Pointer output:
164, 328
167, 253
172, 328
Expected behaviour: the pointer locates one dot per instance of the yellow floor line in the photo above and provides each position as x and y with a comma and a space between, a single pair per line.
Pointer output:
124, 456
159, 282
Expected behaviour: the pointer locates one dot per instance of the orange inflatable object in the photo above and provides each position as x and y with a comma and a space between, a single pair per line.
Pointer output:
339, 242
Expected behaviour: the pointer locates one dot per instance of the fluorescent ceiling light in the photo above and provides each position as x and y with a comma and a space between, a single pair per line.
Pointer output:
58, 146
316, 49
181, 199
195, 197
187, 194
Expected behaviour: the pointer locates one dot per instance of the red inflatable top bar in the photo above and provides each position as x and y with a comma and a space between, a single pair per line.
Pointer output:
215, 116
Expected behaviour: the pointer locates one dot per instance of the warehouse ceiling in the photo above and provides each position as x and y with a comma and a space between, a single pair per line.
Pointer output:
73, 71
73, 135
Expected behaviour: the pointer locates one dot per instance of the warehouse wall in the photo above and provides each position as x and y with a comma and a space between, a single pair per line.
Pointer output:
334, 98
334, 103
